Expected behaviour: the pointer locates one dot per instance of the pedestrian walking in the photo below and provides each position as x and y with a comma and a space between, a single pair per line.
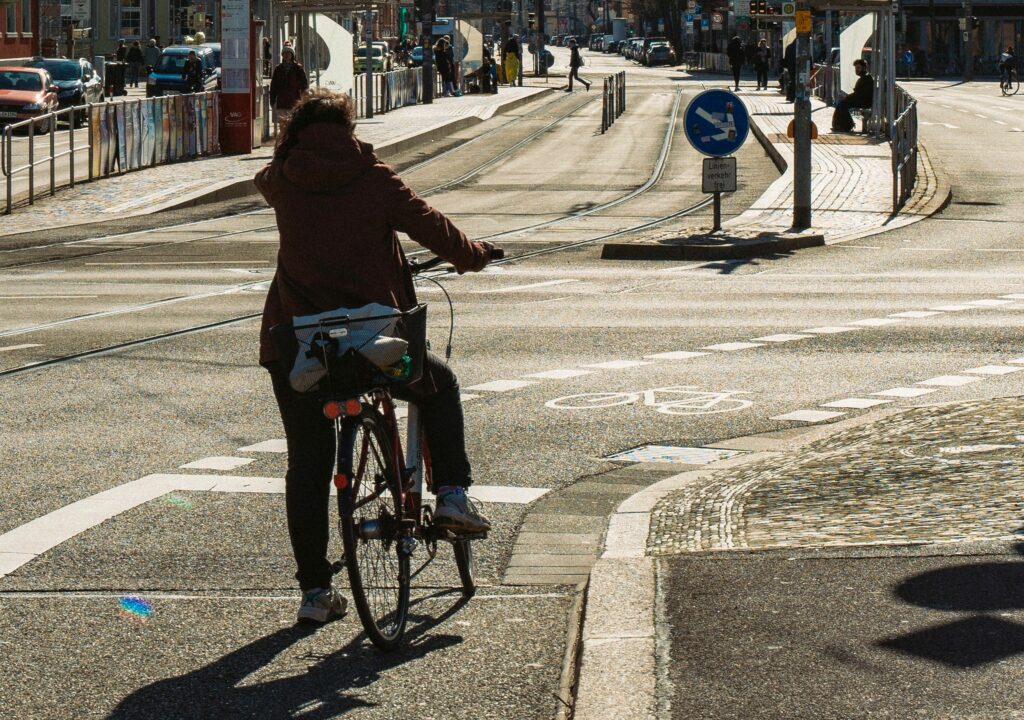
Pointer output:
444, 67
762, 61
338, 209
192, 73
151, 55
512, 54
789, 71
135, 61
862, 97
449, 53
735, 53
575, 62
121, 53
287, 85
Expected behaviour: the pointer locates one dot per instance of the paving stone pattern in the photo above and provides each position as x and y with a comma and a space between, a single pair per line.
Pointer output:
933, 474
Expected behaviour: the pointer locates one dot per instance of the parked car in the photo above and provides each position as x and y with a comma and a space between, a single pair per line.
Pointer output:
611, 47
647, 42
660, 53
215, 47
416, 56
378, 60
166, 77
76, 80
26, 93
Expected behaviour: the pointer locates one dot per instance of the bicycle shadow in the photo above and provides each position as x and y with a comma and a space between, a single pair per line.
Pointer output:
322, 691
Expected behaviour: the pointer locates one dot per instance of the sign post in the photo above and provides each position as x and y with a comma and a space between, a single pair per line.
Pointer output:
236, 109
717, 124
802, 120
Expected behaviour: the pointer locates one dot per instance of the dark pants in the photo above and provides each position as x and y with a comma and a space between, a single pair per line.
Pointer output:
311, 452
762, 75
736, 74
575, 73
842, 121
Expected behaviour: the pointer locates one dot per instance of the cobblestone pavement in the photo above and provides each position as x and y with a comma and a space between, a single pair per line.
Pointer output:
932, 474
138, 192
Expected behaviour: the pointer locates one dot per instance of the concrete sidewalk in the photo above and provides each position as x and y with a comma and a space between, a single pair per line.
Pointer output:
225, 177
866, 569
851, 194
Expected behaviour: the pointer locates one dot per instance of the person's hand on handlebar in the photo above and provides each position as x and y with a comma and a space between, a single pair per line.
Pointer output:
489, 253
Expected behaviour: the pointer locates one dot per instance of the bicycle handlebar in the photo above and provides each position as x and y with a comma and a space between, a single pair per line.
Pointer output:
495, 254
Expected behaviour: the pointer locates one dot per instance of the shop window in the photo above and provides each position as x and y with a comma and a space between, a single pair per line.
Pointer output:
131, 19
11, 24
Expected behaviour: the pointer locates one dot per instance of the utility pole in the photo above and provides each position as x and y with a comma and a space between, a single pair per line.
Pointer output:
427, 19
802, 121
542, 69
968, 42
368, 34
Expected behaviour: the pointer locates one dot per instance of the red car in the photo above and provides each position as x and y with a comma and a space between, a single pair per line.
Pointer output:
26, 93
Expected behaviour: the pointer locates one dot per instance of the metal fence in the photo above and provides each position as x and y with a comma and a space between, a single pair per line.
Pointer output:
613, 99
392, 90
121, 137
904, 148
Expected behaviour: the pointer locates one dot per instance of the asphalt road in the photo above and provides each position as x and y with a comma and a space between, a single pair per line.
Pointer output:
216, 566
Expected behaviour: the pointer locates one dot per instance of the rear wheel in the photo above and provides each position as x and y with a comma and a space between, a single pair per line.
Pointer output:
376, 544
464, 561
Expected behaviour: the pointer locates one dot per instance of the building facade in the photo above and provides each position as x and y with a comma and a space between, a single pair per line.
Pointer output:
19, 28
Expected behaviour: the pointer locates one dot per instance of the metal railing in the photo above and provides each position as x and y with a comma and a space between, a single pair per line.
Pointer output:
825, 79
121, 137
903, 142
716, 62
613, 99
392, 90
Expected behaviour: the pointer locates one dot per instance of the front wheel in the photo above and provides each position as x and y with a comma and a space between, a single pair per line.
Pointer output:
467, 566
377, 544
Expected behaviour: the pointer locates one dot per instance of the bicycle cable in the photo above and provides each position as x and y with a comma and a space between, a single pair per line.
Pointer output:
451, 316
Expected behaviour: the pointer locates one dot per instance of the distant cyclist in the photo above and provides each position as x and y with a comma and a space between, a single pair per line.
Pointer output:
192, 73
338, 209
1007, 64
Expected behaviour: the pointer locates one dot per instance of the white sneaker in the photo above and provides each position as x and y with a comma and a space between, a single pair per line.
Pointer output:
322, 605
456, 512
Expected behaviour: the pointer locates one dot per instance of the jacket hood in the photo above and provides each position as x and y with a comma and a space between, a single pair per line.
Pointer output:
326, 159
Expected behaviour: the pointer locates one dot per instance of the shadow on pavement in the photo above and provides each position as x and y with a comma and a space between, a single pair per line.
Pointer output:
322, 691
967, 642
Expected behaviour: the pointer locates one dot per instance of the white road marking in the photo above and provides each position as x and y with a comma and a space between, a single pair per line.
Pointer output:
181, 262
830, 329
270, 446
617, 364
675, 355
1014, 296
990, 302
8, 348
998, 122
732, 346
993, 370
46, 297
950, 127
502, 385
531, 286
217, 462
876, 322
983, 117
809, 415
952, 308
782, 337
950, 380
1017, 361
857, 247
28, 541
560, 374
905, 392
1016, 129
964, 449
916, 314
467, 396
857, 403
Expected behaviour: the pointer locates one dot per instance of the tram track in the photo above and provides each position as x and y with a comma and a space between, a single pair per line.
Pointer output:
652, 180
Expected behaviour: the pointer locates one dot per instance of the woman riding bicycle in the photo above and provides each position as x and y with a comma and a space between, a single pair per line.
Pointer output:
1007, 64
338, 208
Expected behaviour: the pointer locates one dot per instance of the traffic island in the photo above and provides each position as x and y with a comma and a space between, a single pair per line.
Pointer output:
727, 244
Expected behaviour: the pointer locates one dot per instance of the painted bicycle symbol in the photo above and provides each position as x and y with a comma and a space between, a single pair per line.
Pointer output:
671, 400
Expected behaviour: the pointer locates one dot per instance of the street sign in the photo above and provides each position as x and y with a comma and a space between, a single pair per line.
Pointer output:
716, 17
716, 123
803, 21
789, 8
689, 17
705, 23
719, 175
908, 58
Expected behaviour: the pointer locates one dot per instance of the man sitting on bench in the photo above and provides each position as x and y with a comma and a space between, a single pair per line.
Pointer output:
861, 97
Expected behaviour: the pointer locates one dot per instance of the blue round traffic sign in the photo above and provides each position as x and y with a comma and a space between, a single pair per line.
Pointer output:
716, 123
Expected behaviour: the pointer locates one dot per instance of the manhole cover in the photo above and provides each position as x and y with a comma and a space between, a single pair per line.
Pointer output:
671, 454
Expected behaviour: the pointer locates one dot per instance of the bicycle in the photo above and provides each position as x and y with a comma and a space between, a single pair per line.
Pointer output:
1009, 83
382, 517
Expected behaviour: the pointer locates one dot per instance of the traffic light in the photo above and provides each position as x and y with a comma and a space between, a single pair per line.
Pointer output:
760, 7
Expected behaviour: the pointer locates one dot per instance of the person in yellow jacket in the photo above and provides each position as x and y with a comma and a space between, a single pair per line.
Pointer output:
513, 53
